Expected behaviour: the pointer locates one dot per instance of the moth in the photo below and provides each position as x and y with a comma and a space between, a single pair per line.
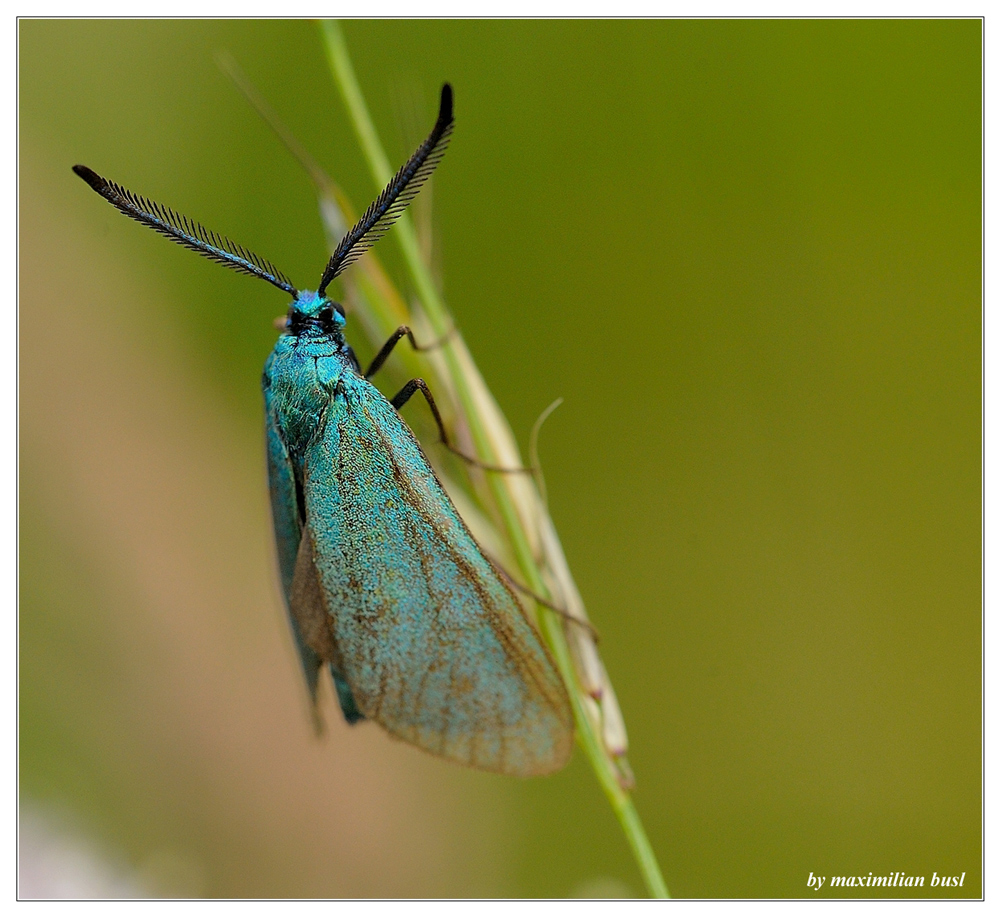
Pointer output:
385, 585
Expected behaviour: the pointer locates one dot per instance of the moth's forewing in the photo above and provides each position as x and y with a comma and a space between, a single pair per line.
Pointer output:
433, 643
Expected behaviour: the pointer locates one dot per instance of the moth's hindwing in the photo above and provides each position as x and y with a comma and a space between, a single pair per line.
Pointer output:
313, 624
431, 640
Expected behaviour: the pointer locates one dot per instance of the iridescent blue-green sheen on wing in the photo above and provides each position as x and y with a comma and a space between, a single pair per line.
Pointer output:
431, 639
304, 607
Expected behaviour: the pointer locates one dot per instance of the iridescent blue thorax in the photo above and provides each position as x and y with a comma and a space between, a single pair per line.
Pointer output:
301, 376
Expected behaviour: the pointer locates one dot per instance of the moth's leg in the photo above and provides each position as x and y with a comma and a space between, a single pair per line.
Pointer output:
407, 392
562, 612
346, 699
402, 332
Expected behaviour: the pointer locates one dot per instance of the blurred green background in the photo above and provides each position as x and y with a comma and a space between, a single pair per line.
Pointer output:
747, 253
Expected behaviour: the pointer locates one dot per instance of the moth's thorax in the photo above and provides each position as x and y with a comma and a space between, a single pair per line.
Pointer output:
308, 360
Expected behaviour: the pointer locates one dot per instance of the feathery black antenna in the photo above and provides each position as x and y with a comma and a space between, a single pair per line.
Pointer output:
390, 204
186, 232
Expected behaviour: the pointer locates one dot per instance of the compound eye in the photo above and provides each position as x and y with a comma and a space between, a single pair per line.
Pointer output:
340, 309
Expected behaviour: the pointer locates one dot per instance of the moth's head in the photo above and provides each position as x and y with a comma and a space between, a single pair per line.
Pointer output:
311, 313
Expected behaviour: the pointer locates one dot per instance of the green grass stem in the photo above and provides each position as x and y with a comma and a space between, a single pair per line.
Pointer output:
532, 540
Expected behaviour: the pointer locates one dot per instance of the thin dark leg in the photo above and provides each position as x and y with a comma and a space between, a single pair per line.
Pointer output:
407, 392
401, 332
571, 618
